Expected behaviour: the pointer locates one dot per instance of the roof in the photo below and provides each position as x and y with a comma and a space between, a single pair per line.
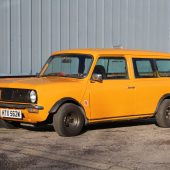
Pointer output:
100, 51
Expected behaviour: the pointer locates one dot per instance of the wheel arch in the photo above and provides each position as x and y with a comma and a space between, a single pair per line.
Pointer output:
62, 101
165, 96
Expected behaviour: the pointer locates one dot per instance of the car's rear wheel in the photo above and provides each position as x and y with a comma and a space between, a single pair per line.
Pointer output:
163, 114
9, 124
69, 120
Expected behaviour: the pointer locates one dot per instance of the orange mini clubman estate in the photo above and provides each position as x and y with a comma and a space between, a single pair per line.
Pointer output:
82, 86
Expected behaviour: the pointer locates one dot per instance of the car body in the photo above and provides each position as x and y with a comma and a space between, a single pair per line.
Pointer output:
98, 84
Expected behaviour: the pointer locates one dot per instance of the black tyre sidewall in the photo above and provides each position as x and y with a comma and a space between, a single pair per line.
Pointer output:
161, 114
58, 120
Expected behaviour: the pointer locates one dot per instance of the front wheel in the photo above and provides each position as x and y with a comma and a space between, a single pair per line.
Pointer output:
69, 120
163, 114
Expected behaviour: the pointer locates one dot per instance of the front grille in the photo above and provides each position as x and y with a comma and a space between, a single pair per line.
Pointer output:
15, 95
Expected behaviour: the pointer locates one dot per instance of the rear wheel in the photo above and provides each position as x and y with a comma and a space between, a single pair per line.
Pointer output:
9, 124
163, 114
69, 120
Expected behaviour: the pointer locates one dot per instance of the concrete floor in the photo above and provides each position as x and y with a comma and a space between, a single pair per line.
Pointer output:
137, 145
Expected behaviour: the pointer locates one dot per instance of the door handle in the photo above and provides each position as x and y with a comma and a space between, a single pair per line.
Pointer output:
131, 87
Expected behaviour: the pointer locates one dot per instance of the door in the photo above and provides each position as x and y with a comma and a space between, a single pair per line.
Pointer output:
113, 97
148, 87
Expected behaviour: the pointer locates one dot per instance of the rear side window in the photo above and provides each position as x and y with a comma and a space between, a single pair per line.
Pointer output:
163, 67
144, 68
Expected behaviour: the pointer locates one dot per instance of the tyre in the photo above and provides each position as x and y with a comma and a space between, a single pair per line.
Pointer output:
69, 120
163, 114
9, 124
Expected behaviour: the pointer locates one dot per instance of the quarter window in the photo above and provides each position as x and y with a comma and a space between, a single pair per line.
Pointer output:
163, 66
144, 68
111, 68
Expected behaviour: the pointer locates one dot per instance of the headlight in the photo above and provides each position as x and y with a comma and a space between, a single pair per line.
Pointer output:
33, 96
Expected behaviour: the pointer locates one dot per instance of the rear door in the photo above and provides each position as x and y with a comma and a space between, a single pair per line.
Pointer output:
147, 86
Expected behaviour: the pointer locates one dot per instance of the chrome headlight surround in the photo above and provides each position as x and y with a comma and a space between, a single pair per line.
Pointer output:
33, 96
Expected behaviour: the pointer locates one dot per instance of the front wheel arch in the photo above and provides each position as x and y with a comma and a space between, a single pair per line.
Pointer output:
62, 101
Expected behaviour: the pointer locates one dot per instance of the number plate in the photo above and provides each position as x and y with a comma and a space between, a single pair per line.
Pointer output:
16, 114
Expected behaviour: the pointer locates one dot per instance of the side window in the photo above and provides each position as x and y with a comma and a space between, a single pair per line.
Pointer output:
111, 68
144, 68
163, 66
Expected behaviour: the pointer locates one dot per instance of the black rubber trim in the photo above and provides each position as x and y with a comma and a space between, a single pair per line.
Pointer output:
62, 101
20, 106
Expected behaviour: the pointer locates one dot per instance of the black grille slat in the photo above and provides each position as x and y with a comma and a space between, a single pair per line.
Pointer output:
15, 95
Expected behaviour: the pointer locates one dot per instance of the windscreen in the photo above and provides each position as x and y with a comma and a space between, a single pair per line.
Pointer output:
69, 65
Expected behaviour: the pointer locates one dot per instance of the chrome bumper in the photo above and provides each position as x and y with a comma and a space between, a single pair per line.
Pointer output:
20, 106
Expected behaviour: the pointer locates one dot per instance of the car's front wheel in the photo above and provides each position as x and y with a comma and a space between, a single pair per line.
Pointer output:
9, 124
163, 114
69, 120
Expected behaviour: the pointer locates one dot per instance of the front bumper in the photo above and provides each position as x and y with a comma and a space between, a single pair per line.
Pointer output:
30, 113
20, 106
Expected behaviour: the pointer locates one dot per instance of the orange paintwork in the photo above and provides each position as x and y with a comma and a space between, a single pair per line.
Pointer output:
109, 100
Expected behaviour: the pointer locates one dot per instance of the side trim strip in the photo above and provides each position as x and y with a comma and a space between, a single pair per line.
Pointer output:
105, 118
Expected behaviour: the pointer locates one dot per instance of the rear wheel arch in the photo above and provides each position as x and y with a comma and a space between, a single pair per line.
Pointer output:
163, 114
165, 96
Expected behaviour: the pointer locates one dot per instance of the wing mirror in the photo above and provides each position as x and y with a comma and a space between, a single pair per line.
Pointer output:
97, 77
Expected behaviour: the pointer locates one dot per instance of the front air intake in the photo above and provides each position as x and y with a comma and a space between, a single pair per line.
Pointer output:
15, 95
